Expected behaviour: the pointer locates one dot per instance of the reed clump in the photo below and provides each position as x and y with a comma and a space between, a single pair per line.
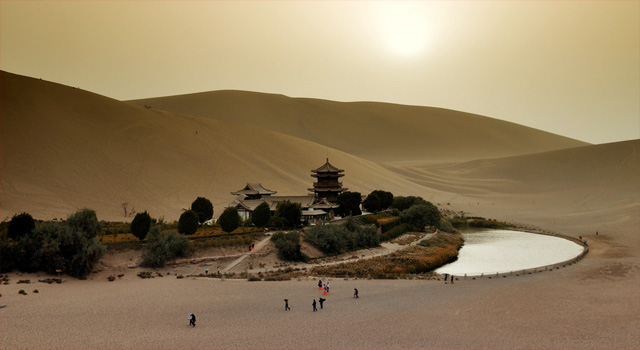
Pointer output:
439, 250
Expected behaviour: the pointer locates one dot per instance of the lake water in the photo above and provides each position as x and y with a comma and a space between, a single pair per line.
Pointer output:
489, 251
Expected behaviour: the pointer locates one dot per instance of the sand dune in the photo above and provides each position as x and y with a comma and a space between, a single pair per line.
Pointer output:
65, 148
380, 132
580, 189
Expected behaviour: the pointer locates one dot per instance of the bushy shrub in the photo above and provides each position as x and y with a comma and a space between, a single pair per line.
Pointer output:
349, 203
328, 238
369, 219
445, 225
378, 200
386, 199
164, 246
288, 245
390, 223
337, 239
229, 220
188, 223
403, 203
85, 221
485, 223
277, 222
290, 212
444, 239
457, 221
20, 225
73, 247
261, 215
140, 225
395, 232
437, 251
371, 203
203, 208
421, 215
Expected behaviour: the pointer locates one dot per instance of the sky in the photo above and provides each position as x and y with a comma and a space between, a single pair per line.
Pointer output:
567, 67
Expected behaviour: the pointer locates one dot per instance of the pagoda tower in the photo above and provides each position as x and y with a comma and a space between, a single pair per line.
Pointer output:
327, 184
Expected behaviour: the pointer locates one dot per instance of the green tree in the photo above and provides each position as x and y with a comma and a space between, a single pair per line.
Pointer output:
349, 203
140, 225
288, 246
261, 215
421, 215
386, 198
229, 220
85, 221
203, 208
164, 246
80, 248
73, 247
290, 212
188, 223
403, 203
371, 203
20, 225
337, 239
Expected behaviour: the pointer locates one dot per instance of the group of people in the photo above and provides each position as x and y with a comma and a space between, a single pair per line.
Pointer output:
321, 301
446, 276
321, 286
325, 287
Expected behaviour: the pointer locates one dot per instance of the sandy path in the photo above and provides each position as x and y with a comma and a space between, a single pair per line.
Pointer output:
257, 247
560, 309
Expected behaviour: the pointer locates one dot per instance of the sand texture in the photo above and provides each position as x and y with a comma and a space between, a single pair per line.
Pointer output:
380, 132
63, 148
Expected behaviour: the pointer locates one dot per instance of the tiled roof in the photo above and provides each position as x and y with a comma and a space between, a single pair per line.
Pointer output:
251, 204
253, 189
327, 168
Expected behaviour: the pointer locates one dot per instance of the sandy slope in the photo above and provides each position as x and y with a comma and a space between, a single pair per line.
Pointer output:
581, 190
64, 148
380, 132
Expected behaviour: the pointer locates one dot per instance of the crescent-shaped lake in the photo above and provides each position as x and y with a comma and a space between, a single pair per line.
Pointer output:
490, 251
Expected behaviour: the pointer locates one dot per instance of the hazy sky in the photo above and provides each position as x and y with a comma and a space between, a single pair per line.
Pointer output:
571, 68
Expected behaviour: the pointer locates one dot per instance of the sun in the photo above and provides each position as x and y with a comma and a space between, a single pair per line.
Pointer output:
403, 27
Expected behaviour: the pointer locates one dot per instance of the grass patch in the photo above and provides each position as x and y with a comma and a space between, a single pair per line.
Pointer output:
439, 250
227, 240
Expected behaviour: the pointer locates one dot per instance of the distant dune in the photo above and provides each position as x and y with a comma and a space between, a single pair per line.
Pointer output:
579, 189
64, 148
380, 132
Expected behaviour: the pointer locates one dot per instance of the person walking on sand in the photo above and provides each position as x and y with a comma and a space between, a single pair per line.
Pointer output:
446, 275
286, 305
327, 287
322, 300
206, 271
319, 284
314, 306
192, 320
355, 293
451, 279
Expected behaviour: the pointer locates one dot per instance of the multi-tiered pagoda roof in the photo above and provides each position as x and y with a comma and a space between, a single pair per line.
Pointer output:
327, 185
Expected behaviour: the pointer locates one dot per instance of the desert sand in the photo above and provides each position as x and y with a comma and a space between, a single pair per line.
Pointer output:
64, 148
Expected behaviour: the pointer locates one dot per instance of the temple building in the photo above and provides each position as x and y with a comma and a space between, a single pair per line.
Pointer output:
316, 206
253, 191
327, 184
